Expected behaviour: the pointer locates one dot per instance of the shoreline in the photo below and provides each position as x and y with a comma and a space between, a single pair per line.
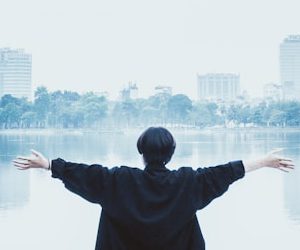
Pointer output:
53, 131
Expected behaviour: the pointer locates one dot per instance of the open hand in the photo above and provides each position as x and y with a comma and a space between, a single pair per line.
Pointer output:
35, 160
271, 160
278, 162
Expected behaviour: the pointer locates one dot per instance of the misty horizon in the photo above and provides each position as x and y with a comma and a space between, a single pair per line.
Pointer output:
104, 45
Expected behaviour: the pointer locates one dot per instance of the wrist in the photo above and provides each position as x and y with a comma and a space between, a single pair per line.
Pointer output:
259, 163
47, 164
50, 164
254, 165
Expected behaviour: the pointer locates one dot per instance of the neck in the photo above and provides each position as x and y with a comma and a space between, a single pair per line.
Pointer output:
155, 165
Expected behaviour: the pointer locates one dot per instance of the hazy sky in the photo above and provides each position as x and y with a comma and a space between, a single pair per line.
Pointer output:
101, 45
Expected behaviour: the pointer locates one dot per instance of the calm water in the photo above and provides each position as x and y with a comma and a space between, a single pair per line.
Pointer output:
261, 211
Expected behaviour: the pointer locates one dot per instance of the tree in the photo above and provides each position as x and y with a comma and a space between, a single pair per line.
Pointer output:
126, 112
159, 105
28, 119
94, 108
278, 117
11, 114
204, 114
12, 108
7, 99
179, 106
244, 115
258, 114
41, 105
292, 110
233, 113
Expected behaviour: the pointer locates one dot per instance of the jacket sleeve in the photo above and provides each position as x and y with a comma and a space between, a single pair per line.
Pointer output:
88, 181
212, 182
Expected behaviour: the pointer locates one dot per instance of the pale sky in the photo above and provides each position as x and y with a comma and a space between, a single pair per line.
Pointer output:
102, 45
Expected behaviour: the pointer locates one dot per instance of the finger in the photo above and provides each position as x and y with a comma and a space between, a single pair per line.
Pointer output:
21, 165
285, 159
286, 164
290, 163
289, 167
20, 162
25, 158
36, 153
283, 170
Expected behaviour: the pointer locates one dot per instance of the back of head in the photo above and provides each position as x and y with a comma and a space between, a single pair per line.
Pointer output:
157, 146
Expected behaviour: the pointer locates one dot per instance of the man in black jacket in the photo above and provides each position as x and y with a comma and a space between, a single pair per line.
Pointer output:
154, 208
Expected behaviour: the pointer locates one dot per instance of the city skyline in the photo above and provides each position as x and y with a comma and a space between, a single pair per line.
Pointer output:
289, 63
104, 44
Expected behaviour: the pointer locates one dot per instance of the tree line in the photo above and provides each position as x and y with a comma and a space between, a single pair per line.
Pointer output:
68, 109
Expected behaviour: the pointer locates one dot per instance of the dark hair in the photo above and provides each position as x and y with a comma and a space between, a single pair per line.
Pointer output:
157, 145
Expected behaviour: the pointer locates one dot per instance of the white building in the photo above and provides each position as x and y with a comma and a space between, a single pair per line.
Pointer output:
290, 67
217, 87
273, 91
15, 73
162, 89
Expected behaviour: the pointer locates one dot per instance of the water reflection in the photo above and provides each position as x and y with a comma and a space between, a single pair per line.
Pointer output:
292, 195
292, 187
224, 146
196, 149
14, 187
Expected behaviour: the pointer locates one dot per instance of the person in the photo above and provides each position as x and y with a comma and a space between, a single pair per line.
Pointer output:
154, 208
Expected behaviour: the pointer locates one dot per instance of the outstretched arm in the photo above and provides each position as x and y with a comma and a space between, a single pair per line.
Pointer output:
212, 182
92, 182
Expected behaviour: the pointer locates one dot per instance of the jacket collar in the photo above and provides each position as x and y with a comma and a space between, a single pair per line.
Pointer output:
156, 168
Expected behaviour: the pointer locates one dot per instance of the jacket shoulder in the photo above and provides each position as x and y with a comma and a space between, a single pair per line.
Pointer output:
123, 169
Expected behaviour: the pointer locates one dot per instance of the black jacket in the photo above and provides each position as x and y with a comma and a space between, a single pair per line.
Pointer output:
150, 209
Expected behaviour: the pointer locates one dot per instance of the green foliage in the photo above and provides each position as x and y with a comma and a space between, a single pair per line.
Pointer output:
258, 114
41, 105
205, 114
28, 119
67, 109
179, 107
11, 109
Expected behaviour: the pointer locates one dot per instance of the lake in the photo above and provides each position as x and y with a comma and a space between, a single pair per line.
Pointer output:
260, 211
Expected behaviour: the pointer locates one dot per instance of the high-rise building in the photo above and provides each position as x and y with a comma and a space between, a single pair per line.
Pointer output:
218, 87
15, 73
290, 67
